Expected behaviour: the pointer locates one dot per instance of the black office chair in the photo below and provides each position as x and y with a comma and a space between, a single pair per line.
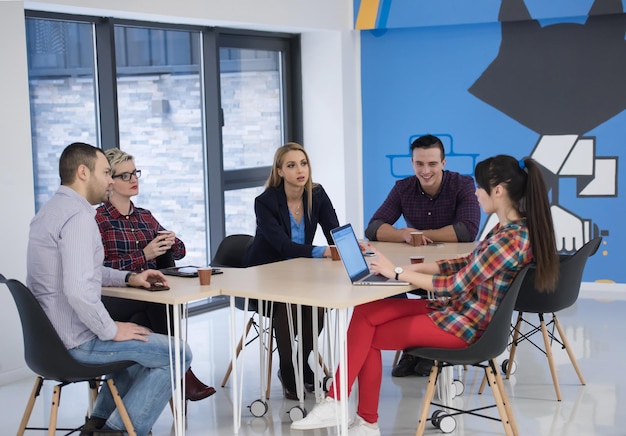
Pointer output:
531, 301
481, 354
46, 356
230, 254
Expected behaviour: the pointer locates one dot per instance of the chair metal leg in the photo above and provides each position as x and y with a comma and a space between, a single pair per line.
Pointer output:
570, 353
239, 347
548, 350
121, 408
54, 410
428, 398
29, 405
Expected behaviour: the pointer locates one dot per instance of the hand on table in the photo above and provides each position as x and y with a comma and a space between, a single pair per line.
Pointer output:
406, 234
145, 278
381, 265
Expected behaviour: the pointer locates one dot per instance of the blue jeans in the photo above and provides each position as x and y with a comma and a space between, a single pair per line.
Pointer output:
145, 388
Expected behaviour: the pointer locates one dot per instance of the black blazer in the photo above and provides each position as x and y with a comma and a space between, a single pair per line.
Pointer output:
272, 241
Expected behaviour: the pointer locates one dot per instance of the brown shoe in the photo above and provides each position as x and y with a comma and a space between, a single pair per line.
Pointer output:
195, 390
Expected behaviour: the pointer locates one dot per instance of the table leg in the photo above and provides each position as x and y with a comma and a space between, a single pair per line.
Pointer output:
316, 378
235, 379
177, 379
343, 368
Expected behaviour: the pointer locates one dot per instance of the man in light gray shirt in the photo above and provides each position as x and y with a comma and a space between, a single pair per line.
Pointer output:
66, 275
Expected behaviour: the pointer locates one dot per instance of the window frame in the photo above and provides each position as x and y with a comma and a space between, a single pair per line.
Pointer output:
217, 180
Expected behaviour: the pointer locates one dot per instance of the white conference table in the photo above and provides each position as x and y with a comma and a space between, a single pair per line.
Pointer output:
321, 283
310, 282
183, 290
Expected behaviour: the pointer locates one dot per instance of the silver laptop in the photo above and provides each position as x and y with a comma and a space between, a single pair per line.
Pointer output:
354, 261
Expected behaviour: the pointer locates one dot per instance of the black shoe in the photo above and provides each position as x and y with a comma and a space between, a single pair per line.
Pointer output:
423, 367
310, 387
106, 431
289, 393
103, 431
92, 424
405, 367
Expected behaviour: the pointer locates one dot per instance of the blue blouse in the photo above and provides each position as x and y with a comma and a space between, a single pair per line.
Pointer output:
297, 236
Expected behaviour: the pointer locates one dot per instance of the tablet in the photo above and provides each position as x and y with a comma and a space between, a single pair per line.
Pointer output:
185, 271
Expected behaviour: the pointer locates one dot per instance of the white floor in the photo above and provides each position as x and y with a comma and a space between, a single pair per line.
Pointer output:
595, 328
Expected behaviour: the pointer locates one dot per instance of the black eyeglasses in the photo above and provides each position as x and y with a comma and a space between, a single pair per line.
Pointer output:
127, 176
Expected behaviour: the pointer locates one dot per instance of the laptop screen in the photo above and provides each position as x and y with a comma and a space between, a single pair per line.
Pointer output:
350, 252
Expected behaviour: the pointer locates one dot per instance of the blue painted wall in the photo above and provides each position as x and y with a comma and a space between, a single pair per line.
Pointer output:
421, 61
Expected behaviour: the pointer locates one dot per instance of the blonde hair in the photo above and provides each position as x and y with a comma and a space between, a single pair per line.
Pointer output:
275, 180
115, 157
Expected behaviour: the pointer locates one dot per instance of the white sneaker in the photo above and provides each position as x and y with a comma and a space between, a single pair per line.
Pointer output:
360, 427
324, 414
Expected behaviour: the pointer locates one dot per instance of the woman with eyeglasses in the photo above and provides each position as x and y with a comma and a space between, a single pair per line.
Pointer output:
133, 240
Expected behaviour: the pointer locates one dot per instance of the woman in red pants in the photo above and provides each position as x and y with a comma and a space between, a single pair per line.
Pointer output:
468, 289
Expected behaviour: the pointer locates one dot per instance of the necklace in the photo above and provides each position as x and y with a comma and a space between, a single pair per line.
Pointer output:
297, 211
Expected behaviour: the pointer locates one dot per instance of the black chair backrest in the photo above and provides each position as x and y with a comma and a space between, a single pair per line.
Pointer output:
44, 351
571, 268
494, 339
231, 251
165, 260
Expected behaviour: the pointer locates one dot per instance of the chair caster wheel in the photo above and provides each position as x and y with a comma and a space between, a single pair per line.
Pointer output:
505, 364
326, 383
297, 413
447, 423
258, 408
459, 387
443, 421
434, 418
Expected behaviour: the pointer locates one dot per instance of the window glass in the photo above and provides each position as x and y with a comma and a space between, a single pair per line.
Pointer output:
250, 82
239, 210
157, 112
160, 120
62, 95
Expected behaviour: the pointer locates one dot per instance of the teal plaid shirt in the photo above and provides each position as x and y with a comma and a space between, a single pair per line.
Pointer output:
475, 284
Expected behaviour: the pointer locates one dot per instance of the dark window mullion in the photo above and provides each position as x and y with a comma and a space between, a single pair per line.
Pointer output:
213, 129
106, 84
246, 178
292, 92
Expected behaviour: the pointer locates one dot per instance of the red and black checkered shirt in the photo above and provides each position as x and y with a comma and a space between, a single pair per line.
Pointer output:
125, 236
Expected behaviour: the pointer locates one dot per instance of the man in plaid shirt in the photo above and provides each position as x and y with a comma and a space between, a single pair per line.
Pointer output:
441, 204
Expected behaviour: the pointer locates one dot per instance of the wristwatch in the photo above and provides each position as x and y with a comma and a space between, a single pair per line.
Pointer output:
127, 278
398, 271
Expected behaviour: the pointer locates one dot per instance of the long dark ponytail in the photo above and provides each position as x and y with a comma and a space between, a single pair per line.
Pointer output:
529, 195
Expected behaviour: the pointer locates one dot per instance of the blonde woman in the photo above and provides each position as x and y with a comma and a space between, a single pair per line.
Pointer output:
132, 242
287, 214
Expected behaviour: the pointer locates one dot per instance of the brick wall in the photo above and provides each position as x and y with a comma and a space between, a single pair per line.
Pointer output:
161, 126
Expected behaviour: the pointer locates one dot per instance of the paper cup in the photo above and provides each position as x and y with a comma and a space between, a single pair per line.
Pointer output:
334, 253
417, 259
204, 275
417, 238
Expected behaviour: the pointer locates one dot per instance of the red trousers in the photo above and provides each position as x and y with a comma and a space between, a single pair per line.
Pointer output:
390, 324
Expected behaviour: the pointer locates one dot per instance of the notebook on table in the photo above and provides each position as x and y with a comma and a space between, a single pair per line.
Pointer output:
354, 261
